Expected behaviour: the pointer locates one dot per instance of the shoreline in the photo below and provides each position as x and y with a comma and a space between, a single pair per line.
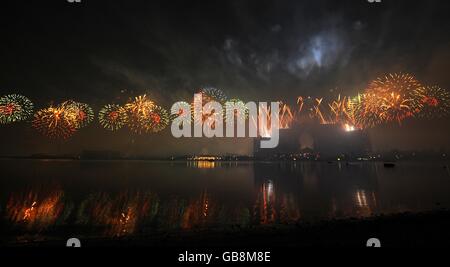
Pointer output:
423, 229
231, 161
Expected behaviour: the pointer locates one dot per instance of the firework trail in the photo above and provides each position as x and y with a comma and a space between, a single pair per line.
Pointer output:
300, 103
342, 111
317, 111
308, 108
286, 116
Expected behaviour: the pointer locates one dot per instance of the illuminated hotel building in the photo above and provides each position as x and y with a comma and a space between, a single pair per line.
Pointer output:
326, 141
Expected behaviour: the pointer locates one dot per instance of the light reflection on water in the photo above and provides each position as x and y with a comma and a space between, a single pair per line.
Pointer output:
119, 199
35, 209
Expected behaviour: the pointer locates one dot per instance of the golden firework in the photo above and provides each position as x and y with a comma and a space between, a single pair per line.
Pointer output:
286, 116
78, 114
366, 110
139, 112
398, 95
52, 122
342, 111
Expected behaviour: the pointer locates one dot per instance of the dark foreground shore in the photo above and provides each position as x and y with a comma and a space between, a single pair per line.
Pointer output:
430, 229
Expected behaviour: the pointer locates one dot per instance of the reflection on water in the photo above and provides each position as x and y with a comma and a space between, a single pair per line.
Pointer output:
119, 199
119, 214
35, 209
198, 212
204, 164
365, 202
265, 203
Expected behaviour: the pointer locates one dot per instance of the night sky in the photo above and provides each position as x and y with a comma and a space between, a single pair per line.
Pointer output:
101, 52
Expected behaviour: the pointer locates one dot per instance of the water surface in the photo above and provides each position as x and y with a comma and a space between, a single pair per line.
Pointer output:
42, 199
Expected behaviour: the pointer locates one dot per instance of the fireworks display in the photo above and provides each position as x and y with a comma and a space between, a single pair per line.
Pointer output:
366, 110
178, 109
157, 120
141, 106
286, 117
309, 108
399, 96
141, 115
392, 98
341, 111
15, 108
240, 112
208, 95
112, 117
139, 112
436, 103
77, 114
213, 94
52, 122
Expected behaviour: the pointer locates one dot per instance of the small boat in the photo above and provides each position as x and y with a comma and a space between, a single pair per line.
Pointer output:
389, 165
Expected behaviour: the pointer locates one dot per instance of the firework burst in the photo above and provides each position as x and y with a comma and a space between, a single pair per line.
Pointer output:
52, 123
213, 94
399, 96
366, 109
201, 102
240, 112
394, 107
139, 112
157, 121
436, 103
15, 108
142, 106
178, 109
112, 117
78, 114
